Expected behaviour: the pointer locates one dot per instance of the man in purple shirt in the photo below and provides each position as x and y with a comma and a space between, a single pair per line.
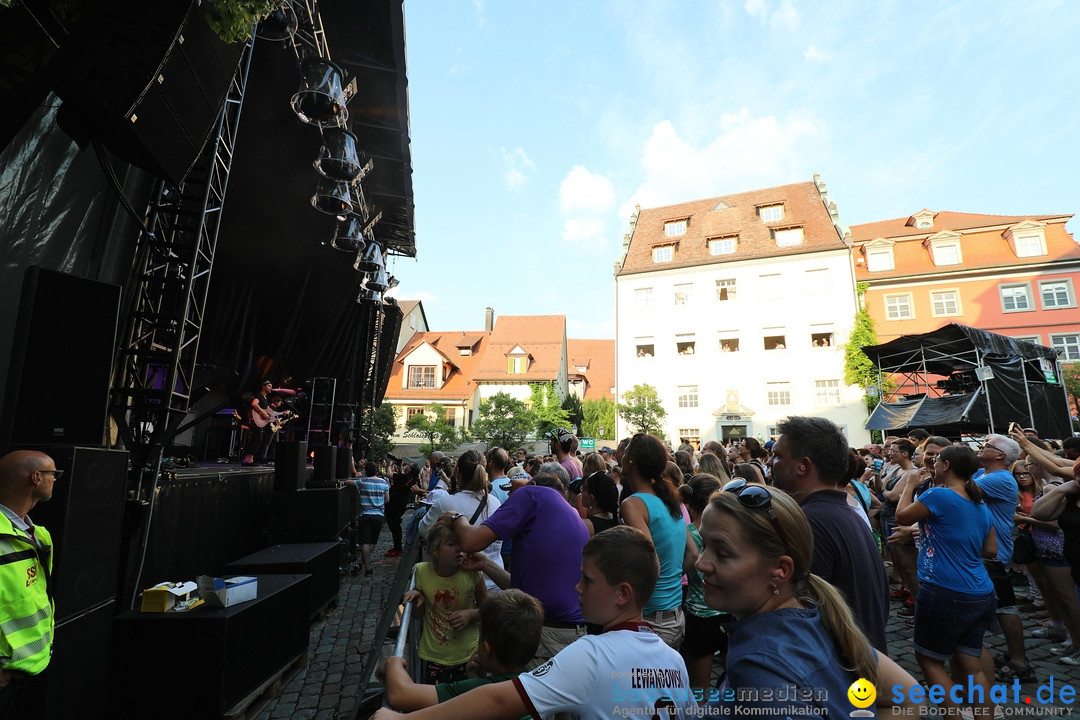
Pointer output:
548, 537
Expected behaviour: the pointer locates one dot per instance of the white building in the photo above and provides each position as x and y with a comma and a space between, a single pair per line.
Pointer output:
736, 310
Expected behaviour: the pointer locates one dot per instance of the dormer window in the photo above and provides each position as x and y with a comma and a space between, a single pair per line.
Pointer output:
945, 249
788, 236
923, 220
879, 256
771, 213
517, 361
1028, 239
663, 253
422, 376
675, 228
723, 245
465, 352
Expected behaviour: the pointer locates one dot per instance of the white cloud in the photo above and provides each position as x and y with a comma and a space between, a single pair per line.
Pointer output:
585, 199
516, 162
786, 14
746, 153
481, 17
816, 54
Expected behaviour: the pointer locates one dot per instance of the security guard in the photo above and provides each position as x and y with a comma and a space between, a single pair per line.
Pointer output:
26, 604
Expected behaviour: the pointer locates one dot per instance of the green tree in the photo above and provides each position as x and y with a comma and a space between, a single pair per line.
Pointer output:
503, 421
1070, 375
598, 419
379, 425
572, 406
641, 410
432, 426
546, 411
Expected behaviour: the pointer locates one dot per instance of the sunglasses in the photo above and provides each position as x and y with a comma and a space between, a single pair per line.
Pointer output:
756, 497
994, 447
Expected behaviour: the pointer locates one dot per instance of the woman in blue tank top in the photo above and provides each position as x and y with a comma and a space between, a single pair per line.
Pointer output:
654, 509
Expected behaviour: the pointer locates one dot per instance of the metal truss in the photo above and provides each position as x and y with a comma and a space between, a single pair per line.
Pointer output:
166, 295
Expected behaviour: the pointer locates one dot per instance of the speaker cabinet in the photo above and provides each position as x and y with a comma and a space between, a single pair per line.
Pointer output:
325, 465
62, 318
147, 77
344, 462
311, 515
85, 519
319, 560
290, 466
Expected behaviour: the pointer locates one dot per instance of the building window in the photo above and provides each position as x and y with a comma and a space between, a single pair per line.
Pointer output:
451, 416
684, 344
898, 307
946, 253
821, 339
827, 393
817, 281
879, 259
1015, 298
775, 341
1033, 339
725, 289
664, 253
779, 393
691, 436
788, 237
410, 411
771, 213
675, 228
1067, 345
687, 396
1029, 246
1056, 294
924, 223
729, 343
722, 246
644, 347
770, 285
945, 303
643, 298
517, 364
422, 376
684, 294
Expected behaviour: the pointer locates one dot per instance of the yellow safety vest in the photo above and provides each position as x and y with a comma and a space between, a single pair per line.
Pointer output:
26, 605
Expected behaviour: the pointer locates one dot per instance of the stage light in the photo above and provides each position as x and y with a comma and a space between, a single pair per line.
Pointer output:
337, 156
378, 280
370, 259
279, 25
332, 197
368, 295
349, 236
321, 98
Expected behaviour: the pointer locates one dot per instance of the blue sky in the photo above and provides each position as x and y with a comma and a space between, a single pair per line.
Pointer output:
536, 127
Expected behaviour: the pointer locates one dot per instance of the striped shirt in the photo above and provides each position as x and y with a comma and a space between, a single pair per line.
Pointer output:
372, 494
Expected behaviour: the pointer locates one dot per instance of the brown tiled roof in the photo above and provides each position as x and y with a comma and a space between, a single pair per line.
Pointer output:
802, 207
979, 248
459, 385
598, 356
944, 220
541, 336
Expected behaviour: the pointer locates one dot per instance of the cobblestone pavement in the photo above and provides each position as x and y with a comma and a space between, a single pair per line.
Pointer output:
326, 689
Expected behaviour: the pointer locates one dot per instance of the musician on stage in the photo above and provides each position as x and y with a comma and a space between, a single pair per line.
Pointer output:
258, 421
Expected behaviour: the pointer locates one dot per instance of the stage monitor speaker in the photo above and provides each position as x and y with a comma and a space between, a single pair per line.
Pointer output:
325, 465
344, 462
60, 314
146, 77
290, 466
319, 560
85, 519
310, 515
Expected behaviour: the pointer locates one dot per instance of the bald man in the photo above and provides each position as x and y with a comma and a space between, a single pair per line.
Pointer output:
26, 606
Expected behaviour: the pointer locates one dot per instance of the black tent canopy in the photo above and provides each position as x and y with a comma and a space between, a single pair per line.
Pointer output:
960, 379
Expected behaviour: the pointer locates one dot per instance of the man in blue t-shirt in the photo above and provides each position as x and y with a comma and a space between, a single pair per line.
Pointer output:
1000, 493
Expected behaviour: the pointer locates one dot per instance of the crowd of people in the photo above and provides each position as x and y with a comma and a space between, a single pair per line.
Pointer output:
770, 562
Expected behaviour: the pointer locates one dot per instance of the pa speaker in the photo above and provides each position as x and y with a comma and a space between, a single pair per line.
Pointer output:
85, 519
147, 77
325, 465
344, 462
59, 311
290, 466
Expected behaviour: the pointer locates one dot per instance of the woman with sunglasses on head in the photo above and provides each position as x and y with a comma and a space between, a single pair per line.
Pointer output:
956, 600
600, 497
655, 510
792, 628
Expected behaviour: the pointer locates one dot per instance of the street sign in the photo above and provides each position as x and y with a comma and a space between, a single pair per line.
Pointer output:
588, 443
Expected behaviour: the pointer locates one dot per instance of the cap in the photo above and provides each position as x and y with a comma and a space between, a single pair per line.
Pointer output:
606, 449
769, 444
267, 382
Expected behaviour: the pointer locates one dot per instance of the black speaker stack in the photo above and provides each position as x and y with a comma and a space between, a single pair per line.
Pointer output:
290, 466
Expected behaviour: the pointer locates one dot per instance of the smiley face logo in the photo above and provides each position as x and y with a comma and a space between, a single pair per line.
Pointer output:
862, 693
